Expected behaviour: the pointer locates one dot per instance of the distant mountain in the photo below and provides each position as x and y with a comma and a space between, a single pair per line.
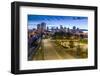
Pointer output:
84, 29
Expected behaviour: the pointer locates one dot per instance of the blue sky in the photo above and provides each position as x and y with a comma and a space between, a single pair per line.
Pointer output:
56, 21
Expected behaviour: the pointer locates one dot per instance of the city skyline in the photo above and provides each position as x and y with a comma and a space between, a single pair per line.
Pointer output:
56, 21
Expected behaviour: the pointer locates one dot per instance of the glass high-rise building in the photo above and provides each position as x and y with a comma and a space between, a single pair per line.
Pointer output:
41, 26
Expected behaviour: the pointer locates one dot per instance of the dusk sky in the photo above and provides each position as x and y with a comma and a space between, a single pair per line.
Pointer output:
56, 21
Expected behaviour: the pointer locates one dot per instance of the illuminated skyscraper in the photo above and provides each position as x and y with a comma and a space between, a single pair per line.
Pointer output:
74, 28
43, 26
38, 26
61, 27
47, 28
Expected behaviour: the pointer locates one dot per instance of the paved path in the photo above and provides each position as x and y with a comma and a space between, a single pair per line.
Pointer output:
49, 50
52, 52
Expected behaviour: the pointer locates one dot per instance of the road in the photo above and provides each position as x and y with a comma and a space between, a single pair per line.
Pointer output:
50, 51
